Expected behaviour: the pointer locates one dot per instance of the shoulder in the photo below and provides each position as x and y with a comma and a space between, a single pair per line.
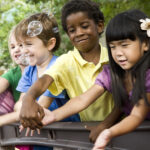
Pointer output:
12, 72
104, 78
64, 58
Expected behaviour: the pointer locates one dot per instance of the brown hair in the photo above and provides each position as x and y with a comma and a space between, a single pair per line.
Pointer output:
49, 28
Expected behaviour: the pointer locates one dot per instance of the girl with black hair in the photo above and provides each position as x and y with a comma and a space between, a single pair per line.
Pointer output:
128, 75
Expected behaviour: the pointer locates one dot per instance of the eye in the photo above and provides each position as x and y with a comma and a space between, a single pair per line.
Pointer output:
28, 44
112, 46
124, 44
12, 47
20, 45
85, 25
71, 30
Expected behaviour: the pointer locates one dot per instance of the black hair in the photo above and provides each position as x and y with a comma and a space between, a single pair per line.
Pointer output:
126, 25
73, 6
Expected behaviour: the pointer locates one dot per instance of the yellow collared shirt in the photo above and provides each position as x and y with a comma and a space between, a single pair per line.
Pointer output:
73, 73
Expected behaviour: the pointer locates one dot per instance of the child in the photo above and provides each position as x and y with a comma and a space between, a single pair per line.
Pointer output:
39, 35
75, 71
128, 41
10, 79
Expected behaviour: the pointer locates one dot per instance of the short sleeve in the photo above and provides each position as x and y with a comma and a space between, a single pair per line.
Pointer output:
59, 74
8, 76
48, 94
147, 81
25, 81
103, 79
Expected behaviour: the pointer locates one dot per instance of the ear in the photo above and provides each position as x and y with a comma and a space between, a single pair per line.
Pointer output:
51, 43
100, 27
145, 46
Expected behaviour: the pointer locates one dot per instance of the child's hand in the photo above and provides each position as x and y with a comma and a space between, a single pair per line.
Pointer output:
102, 140
48, 118
95, 131
28, 131
31, 115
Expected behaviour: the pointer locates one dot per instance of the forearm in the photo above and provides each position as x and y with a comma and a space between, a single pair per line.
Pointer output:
70, 108
79, 103
4, 85
9, 118
112, 117
127, 125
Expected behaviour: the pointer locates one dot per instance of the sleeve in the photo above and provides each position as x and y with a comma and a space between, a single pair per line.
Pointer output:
48, 94
103, 79
25, 81
147, 81
59, 73
8, 76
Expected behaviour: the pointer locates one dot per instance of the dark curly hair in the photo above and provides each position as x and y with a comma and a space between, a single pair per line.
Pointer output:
88, 6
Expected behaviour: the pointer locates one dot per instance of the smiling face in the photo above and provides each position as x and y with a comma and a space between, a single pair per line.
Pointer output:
126, 53
36, 52
83, 32
15, 49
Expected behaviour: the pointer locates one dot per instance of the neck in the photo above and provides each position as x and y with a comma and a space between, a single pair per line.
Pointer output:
41, 68
92, 55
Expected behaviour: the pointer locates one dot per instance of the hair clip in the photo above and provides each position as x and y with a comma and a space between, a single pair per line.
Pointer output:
34, 28
55, 30
145, 25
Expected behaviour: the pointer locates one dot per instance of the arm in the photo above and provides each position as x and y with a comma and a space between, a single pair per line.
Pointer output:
74, 105
130, 123
4, 84
31, 112
107, 123
9, 118
45, 101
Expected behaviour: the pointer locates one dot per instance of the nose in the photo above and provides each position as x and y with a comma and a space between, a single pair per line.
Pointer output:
118, 52
79, 31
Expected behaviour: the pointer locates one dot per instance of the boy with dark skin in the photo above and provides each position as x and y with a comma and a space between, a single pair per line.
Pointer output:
75, 71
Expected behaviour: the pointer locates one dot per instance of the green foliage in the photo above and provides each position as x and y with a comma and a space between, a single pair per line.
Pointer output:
11, 12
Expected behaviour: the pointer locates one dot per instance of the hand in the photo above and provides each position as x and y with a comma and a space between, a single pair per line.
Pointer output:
102, 140
95, 131
48, 118
31, 114
28, 131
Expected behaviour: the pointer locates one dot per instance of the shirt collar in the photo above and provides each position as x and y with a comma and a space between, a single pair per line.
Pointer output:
82, 62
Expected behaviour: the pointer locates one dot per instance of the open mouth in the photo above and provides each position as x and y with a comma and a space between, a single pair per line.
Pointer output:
122, 62
17, 56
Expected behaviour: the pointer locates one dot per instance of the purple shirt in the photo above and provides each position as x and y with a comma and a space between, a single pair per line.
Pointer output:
104, 80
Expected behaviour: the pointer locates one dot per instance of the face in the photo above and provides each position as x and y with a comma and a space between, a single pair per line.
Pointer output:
35, 51
15, 50
126, 53
83, 32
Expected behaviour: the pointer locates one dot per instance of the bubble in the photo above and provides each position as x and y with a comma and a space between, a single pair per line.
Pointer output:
34, 28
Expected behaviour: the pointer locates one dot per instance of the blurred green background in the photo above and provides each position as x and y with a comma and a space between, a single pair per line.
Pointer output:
11, 12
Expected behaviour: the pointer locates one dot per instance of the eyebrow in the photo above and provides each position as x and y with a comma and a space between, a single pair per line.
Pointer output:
118, 41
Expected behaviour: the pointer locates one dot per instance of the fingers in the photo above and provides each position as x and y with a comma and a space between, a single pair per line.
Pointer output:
41, 113
27, 131
21, 128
